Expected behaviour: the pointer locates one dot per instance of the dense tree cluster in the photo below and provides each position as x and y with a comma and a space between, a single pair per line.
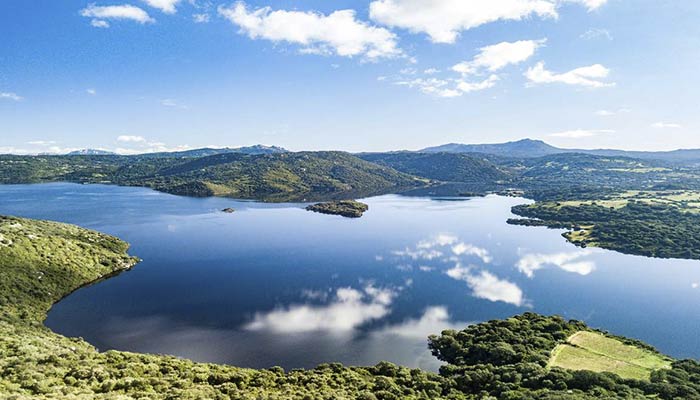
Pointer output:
661, 229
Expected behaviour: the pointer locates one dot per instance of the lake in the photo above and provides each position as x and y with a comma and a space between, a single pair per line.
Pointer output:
274, 284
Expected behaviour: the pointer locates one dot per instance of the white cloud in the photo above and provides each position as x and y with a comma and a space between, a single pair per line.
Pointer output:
498, 56
432, 86
350, 309
99, 23
443, 20
166, 6
468, 87
489, 59
595, 33
609, 113
664, 125
125, 11
91, 92
11, 96
581, 133
589, 76
200, 18
487, 286
172, 104
591, 5
434, 319
338, 33
695, 285
569, 262
131, 139
448, 87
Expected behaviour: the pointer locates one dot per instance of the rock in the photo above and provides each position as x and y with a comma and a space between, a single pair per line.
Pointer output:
228, 210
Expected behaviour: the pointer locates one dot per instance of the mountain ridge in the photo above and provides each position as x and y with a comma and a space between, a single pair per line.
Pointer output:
530, 148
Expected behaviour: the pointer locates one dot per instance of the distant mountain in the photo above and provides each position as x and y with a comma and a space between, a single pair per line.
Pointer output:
520, 148
91, 152
207, 151
529, 148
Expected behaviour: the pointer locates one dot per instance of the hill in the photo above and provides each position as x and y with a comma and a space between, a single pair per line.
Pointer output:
208, 151
303, 176
445, 167
517, 149
90, 152
527, 148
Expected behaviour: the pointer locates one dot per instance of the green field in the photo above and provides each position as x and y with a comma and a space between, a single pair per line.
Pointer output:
593, 351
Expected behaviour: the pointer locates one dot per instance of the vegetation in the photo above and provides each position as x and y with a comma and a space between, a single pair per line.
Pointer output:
594, 351
510, 359
444, 167
655, 224
346, 208
278, 176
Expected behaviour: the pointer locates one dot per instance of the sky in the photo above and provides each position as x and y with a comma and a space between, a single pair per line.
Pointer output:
365, 75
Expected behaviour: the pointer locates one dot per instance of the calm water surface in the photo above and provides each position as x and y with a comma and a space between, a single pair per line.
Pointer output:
274, 284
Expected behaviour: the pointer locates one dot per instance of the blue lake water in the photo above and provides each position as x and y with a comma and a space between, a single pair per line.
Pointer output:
273, 284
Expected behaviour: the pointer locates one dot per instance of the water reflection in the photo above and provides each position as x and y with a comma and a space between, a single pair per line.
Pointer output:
486, 285
349, 309
449, 251
568, 261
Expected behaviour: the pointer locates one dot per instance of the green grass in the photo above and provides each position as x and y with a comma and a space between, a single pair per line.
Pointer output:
596, 352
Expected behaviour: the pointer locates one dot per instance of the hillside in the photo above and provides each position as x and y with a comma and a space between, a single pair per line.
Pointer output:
299, 176
272, 177
517, 358
208, 151
445, 167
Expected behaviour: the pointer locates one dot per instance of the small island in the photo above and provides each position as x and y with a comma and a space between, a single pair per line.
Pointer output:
345, 208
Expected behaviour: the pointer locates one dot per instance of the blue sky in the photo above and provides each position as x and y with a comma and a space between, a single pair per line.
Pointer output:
143, 75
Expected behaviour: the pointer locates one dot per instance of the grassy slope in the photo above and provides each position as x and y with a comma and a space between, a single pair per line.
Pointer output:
593, 351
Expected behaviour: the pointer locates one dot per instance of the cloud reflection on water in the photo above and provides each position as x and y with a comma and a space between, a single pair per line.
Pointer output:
567, 261
449, 250
349, 309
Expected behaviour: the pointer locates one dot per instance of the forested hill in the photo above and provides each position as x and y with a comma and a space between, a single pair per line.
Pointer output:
276, 177
446, 167
280, 176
